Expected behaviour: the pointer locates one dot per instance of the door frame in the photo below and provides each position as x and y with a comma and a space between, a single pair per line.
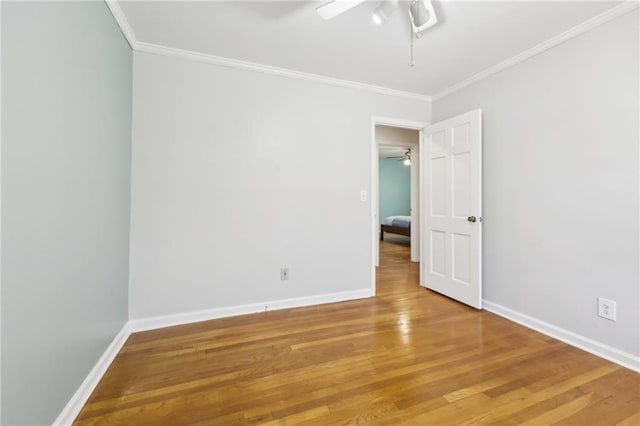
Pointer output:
416, 201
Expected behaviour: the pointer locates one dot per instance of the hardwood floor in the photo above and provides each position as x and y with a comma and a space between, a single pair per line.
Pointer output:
407, 356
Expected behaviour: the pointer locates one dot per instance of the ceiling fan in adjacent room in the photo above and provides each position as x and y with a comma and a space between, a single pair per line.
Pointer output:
406, 158
421, 13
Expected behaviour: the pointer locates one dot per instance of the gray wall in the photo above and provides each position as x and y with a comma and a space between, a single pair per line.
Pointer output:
66, 115
237, 174
561, 182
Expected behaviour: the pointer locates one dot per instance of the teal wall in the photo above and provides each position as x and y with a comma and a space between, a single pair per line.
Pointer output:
66, 157
395, 189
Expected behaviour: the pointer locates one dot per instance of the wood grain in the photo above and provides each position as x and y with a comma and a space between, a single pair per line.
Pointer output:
407, 356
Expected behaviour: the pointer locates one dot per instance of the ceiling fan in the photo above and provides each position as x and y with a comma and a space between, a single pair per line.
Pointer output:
421, 12
406, 158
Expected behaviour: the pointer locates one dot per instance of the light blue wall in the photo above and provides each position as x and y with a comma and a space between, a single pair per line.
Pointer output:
66, 155
395, 188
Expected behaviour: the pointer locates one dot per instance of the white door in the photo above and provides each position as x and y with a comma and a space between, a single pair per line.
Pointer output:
452, 227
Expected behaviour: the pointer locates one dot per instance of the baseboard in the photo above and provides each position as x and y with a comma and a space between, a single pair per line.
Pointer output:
209, 314
612, 354
77, 401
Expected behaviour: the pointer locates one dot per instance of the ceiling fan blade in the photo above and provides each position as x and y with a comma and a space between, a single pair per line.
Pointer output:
336, 7
422, 15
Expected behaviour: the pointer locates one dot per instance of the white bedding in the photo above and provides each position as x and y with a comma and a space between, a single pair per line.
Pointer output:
389, 219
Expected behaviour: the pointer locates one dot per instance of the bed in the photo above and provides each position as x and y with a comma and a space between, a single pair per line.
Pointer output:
400, 225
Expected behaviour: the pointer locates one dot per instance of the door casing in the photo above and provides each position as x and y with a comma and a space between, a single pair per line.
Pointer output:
416, 200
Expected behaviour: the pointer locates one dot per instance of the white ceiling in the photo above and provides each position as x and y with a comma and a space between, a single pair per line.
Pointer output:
469, 38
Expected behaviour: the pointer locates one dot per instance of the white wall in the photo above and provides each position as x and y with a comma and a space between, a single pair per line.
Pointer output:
237, 174
66, 151
561, 182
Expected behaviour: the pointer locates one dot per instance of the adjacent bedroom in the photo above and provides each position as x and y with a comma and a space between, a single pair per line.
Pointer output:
394, 170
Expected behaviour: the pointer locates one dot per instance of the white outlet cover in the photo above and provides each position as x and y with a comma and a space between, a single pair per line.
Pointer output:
607, 308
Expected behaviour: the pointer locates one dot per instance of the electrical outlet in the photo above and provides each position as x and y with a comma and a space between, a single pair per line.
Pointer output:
607, 309
284, 274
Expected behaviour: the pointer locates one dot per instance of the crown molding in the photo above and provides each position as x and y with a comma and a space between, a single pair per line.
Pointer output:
140, 46
588, 25
121, 19
267, 69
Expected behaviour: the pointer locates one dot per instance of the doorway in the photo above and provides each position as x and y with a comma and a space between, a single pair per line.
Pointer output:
451, 259
401, 140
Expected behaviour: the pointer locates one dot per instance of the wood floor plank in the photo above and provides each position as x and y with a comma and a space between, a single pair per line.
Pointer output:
407, 356
561, 412
632, 420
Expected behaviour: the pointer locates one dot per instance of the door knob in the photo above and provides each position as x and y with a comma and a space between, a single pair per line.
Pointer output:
471, 219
